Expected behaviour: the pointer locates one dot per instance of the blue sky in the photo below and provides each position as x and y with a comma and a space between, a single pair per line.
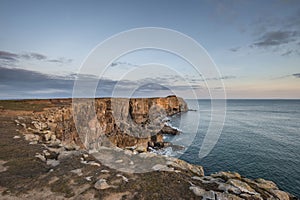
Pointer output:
255, 45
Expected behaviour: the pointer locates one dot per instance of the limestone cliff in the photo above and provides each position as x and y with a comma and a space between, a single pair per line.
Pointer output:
127, 123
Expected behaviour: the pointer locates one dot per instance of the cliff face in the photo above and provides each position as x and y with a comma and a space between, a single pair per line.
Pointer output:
126, 123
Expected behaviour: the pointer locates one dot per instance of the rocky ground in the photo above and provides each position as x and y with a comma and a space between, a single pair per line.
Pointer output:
35, 168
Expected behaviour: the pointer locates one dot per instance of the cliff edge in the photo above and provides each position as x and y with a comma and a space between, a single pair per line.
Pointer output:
42, 156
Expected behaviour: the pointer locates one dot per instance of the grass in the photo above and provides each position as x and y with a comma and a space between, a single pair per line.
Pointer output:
22, 105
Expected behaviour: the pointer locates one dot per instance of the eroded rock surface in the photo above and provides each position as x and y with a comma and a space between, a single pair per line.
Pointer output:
126, 123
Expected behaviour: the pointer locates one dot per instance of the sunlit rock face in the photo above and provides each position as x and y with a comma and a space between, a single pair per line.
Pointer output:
126, 123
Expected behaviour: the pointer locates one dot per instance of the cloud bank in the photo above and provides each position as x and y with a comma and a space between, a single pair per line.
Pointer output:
10, 59
16, 83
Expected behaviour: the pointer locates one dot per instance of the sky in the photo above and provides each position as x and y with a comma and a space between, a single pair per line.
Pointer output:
255, 46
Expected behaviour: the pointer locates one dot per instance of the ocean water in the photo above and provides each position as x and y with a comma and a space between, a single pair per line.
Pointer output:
260, 139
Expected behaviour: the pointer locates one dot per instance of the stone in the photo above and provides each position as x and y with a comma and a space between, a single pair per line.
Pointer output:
197, 178
78, 172
53, 137
197, 190
141, 148
39, 125
47, 136
85, 155
16, 137
123, 177
251, 197
167, 129
94, 163
177, 163
71, 147
229, 188
281, 195
67, 154
31, 137
52, 162
226, 196
244, 187
203, 193
41, 157
227, 175
24, 125
101, 184
2, 167
265, 184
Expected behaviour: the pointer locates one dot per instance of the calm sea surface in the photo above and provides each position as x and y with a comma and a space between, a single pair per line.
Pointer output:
260, 138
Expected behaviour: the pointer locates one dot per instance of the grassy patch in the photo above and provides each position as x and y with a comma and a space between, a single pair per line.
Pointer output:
22, 105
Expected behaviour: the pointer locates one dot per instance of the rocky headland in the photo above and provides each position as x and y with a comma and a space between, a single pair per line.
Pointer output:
102, 152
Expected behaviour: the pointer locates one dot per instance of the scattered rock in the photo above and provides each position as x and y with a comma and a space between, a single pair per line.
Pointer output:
123, 177
24, 125
16, 137
180, 164
251, 197
31, 137
39, 125
94, 163
119, 161
85, 155
2, 167
78, 172
53, 163
244, 187
101, 184
197, 190
170, 130
41, 157
88, 178
229, 188
67, 154
226, 175
47, 136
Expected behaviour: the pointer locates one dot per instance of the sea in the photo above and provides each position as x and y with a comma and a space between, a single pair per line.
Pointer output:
259, 139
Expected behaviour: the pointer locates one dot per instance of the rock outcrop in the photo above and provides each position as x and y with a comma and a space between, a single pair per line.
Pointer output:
136, 123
